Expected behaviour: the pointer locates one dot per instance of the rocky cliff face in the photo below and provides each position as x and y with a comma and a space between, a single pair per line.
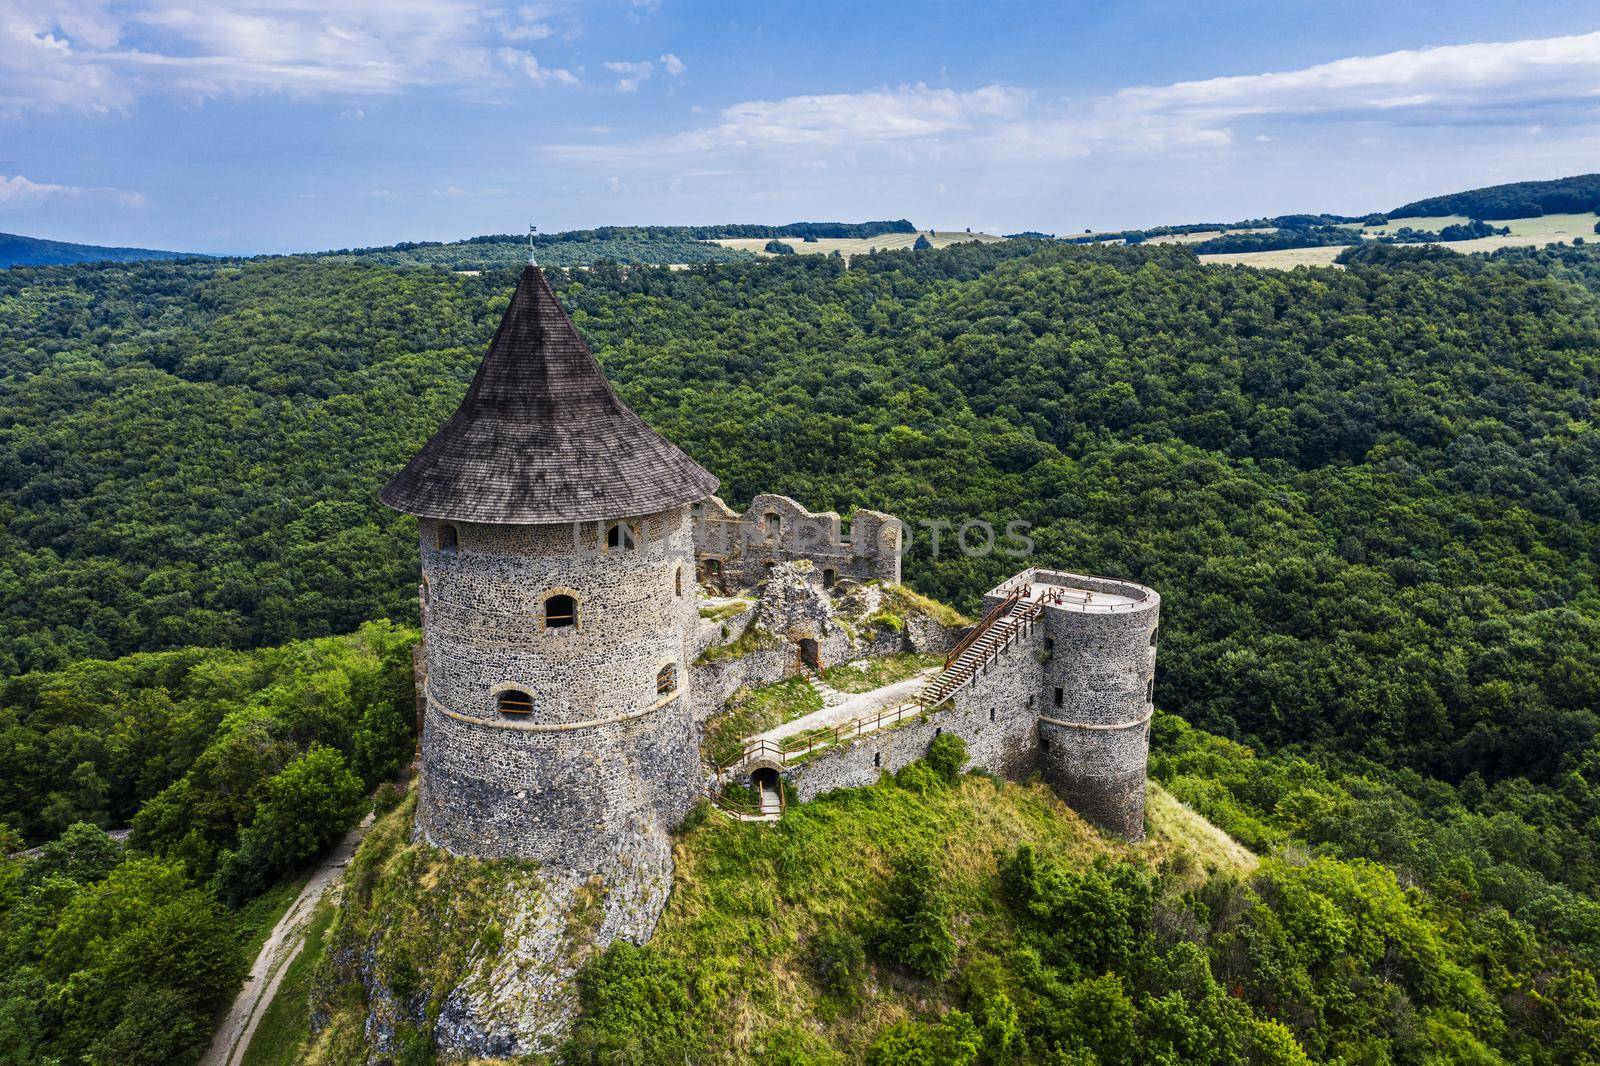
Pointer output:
472, 958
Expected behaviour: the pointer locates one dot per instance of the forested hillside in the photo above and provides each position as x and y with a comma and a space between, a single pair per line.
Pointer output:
1518, 199
642, 245
17, 250
235, 768
1369, 498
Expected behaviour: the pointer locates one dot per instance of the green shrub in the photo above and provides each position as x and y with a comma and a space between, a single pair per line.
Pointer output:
837, 960
947, 754
636, 1008
914, 932
952, 1041
307, 806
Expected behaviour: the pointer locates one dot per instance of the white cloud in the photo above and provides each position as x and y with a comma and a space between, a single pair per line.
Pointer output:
18, 191
1507, 83
633, 74
528, 65
909, 112
100, 55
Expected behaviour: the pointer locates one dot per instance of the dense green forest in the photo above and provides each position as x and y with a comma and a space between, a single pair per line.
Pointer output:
1368, 496
235, 769
17, 250
1518, 199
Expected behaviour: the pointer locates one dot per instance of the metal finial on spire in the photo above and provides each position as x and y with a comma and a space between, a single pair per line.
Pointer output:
532, 229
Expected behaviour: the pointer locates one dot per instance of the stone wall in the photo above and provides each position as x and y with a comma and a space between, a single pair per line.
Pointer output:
595, 776
736, 551
1095, 710
994, 714
1091, 746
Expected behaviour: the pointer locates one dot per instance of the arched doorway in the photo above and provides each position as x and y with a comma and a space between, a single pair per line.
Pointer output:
810, 656
769, 788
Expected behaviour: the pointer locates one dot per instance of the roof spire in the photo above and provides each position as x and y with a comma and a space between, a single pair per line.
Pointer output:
532, 229
542, 437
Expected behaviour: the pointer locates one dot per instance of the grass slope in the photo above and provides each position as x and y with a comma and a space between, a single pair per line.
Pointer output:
748, 898
746, 902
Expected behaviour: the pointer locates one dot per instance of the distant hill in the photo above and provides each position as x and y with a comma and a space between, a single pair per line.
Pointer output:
650, 245
1519, 199
17, 250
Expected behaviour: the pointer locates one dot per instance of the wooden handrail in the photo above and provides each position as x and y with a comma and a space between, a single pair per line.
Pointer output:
999, 610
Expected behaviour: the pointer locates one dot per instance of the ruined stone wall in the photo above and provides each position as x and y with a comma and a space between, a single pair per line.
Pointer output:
1095, 709
597, 774
736, 551
994, 714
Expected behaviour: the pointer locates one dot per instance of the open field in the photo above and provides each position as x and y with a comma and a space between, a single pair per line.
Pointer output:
1541, 230
1280, 259
848, 246
1546, 229
1203, 235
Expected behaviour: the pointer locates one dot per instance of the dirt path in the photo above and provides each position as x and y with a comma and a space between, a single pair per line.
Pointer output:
849, 706
232, 1038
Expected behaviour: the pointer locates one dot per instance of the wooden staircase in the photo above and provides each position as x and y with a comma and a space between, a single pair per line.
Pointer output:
1010, 619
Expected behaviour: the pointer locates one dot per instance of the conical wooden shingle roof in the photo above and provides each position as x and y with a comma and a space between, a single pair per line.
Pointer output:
542, 436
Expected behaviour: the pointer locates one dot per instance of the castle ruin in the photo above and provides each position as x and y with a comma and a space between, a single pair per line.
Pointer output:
568, 668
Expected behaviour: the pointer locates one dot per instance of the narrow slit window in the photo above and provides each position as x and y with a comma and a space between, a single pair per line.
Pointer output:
1044, 742
1153, 633
677, 581
447, 540
513, 701
991, 714
1150, 690
877, 758
667, 679
560, 611
1059, 695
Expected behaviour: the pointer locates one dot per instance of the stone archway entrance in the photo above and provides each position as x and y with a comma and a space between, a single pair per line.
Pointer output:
810, 654
769, 788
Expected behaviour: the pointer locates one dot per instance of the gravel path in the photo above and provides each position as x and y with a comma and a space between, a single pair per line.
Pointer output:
850, 706
232, 1038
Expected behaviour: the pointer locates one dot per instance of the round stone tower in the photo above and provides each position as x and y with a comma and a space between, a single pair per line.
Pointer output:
558, 589
1099, 690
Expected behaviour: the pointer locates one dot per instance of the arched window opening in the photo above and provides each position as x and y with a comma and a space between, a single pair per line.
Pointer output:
620, 537
560, 611
828, 578
667, 679
772, 524
513, 701
1153, 633
877, 758
446, 540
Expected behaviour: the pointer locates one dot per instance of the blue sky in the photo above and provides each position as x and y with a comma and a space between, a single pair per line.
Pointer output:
238, 126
